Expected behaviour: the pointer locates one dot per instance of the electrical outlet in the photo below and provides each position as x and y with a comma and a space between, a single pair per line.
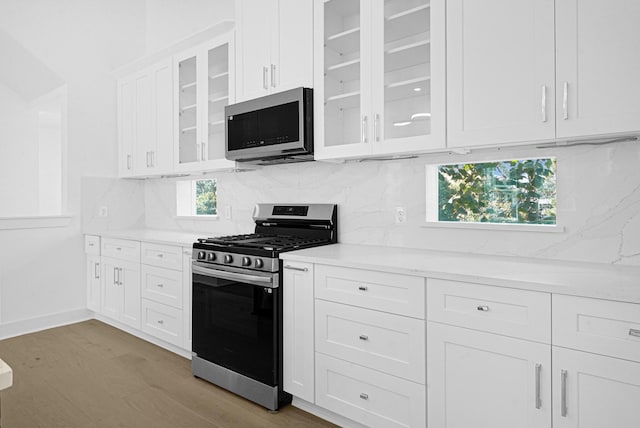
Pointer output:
103, 211
401, 215
227, 212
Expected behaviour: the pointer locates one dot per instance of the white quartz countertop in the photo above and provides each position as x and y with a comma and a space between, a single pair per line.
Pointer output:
6, 375
184, 239
579, 279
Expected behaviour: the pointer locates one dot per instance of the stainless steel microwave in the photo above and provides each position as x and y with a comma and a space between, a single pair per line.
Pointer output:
273, 129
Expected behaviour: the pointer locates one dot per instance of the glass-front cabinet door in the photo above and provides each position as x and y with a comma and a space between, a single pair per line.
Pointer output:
205, 86
379, 77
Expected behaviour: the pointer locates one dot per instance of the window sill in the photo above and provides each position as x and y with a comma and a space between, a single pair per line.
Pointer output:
505, 227
34, 222
197, 217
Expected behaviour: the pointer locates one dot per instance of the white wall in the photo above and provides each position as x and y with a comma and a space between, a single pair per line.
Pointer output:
81, 41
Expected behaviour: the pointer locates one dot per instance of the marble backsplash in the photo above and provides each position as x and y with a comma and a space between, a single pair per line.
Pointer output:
598, 192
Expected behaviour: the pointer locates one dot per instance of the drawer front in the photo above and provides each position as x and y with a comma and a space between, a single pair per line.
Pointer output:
389, 343
600, 326
92, 245
388, 292
162, 321
517, 313
367, 396
122, 249
162, 285
165, 256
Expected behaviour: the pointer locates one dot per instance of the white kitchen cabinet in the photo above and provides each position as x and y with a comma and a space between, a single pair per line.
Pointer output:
145, 109
597, 67
275, 46
594, 391
93, 271
186, 293
298, 328
204, 85
485, 380
121, 290
379, 77
500, 71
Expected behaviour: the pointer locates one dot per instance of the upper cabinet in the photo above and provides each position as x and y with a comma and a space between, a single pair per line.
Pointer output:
379, 77
145, 106
275, 46
510, 80
204, 85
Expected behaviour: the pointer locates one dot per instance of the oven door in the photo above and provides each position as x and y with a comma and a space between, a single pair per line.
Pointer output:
235, 321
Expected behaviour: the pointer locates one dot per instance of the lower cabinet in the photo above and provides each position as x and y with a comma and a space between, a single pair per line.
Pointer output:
121, 291
93, 272
594, 391
484, 380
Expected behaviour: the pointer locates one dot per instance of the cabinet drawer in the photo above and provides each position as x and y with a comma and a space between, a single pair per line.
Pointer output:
367, 396
389, 343
165, 256
92, 245
162, 321
162, 285
600, 326
517, 313
122, 249
388, 292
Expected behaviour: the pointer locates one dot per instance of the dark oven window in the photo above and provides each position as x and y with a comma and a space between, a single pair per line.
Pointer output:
233, 326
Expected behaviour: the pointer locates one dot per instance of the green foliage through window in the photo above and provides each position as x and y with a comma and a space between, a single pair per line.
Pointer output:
516, 191
206, 199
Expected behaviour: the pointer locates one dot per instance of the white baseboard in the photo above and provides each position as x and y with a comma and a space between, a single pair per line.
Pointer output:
325, 414
32, 325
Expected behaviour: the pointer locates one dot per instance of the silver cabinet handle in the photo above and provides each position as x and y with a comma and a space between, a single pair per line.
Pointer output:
96, 271
633, 332
203, 156
273, 75
160, 285
565, 101
362, 287
160, 322
118, 248
376, 125
538, 397
544, 103
160, 255
128, 161
364, 396
563, 393
483, 308
365, 119
265, 70
151, 160
364, 337
115, 275
296, 268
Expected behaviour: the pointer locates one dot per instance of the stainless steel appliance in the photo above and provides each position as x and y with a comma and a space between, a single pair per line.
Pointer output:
237, 299
276, 128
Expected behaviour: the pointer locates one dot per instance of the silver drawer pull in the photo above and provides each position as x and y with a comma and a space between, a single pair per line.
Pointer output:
91, 244
364, 396
362, 288
160, 285
160, 255
364, 337
160, 322
118, 249
633, 332
483, 308
296, 268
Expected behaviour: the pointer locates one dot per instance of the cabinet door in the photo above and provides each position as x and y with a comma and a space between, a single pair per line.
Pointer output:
342, 61
161, 144
93, 272
125, 127
408, 75
187, 292
291, 63
256, 20
597, 67
500, 72
593, 391
143, 120
129, 279
298, 337
111, 289
187, 110
483, 380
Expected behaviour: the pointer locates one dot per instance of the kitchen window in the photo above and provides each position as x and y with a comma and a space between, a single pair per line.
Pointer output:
506, 192
197, 198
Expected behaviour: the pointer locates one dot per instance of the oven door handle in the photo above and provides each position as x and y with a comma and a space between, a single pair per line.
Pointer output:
261, 281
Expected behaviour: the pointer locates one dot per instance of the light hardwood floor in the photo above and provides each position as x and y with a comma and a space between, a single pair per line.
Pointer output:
90, 374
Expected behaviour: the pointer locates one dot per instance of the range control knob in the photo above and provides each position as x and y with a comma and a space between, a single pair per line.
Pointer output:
201, 255
258, 263
246, 261
228, 258
211, 257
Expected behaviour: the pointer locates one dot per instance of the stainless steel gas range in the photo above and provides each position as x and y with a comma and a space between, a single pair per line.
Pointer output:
237, 299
